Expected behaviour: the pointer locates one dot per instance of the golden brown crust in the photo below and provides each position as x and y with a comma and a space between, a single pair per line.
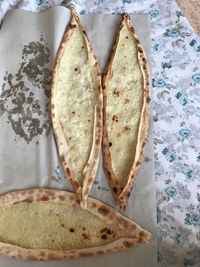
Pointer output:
45, 254
103, 211
122, 194
89, 172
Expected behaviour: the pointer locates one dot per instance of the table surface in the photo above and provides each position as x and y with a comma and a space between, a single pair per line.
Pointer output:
176, 114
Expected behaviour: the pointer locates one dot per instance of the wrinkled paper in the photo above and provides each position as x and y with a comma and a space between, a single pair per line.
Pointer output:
28, 153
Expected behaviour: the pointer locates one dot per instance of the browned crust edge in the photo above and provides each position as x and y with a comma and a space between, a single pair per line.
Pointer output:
82, 190
103, 211
123, 194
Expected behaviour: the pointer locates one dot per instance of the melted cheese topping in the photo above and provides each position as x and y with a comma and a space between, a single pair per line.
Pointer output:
75, 99
54, 226
124, 104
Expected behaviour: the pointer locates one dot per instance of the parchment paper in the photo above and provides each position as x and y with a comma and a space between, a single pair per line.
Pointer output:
28, 154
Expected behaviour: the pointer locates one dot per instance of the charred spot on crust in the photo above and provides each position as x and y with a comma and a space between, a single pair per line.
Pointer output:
109, 232
85, 236
62, 225
68, 171
140, 50
104, 236
127, 244
143, 144
85, 254
61, 198
75, 69
44, 198
121, 26
133, 227
71, 230
148, 99
51, 193
27, 200
72, 26
104, 145
90, 180
126, 37
103, 230
133, 31
94, 205
30, 257
137, 163
100, 252
97, 141
75, 184
106, 73
125, 224
98, 109
77, 201
126, 128
115, 189
142, 234
137, 40
115, 118
62, 158
110, 144
125, 15
103, 210
98, 124
109, 173
114, 44
72, 197
116, 93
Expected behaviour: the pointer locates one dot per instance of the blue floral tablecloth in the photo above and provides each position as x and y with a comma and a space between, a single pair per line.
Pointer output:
176, 116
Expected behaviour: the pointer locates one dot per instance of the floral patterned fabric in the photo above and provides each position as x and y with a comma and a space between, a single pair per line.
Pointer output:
176, 116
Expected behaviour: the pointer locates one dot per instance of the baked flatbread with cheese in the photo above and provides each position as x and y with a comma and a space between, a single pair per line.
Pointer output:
43, 224
76, 108
126, 111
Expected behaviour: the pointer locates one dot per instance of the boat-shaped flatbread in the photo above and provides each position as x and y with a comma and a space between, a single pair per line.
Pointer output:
76, 108
43, 224
126, 111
